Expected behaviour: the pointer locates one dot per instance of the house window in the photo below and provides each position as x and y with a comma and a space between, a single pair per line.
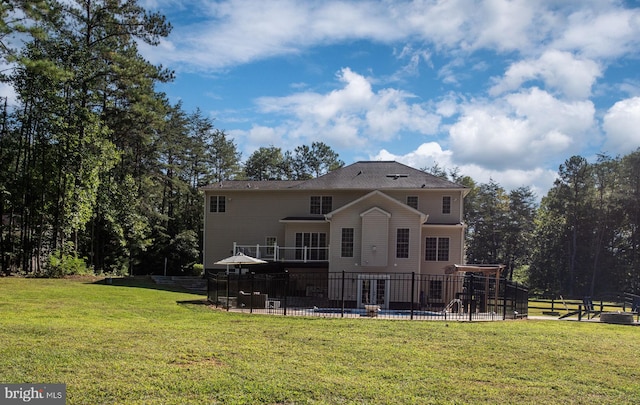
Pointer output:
437, 250
313, 243
443, 249
217, 203
412, 201
402, 243
435, 289
347, 242
446, 204
271, 242
320, 204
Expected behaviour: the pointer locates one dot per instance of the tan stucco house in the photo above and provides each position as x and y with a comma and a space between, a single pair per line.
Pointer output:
375, 218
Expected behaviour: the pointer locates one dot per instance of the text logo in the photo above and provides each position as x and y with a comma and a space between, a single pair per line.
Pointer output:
39, 394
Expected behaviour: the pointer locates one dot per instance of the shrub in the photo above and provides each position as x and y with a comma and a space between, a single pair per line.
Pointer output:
193, 270
197, 269
62, 264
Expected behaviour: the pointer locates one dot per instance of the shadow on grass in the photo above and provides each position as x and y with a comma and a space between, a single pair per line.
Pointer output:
144, 282
194, 302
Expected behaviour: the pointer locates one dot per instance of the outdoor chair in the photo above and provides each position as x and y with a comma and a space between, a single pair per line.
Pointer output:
588, 308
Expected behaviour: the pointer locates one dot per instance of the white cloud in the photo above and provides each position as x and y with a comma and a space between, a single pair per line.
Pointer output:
571, 76
352, 114
448, 73
257, 136
538, 179
599, 30
355, 96
630, 87
235, 31
622, 123
415, 57
227, 33
548, 114
523, 130
470, 25
262, 135
447, 106
489, 138
429, 154
392, 113
504, 25
425, 156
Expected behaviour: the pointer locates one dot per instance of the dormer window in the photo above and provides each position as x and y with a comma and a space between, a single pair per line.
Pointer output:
320, 204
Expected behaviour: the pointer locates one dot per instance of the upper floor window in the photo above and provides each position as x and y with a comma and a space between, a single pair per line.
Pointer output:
437, 250
347, 242
402, 243
320, 204
446, 204
217, 203
412, 201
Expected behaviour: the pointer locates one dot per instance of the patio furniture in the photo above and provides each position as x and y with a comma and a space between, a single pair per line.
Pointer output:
248, 300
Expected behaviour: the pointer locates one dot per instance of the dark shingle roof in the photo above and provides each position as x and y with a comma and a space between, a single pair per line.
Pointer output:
368, 175
377, 175
252, 185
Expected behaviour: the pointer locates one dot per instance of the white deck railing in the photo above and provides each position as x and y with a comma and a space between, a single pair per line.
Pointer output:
275, 253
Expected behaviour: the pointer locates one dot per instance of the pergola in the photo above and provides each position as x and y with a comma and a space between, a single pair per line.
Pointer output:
486, 269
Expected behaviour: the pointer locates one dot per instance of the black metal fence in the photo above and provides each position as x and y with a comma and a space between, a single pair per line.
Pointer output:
344, 294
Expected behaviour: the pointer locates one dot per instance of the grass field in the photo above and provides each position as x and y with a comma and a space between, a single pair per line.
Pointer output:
131, 343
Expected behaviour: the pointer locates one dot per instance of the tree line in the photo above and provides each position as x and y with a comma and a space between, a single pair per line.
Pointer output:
99, 172
587, 235
583, 239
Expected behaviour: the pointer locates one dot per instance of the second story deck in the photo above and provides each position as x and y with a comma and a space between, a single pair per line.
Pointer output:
276, 253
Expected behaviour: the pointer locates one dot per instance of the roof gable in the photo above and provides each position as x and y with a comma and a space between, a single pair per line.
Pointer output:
423, 217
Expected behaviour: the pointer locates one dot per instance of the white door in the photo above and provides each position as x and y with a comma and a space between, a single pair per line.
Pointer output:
373, 290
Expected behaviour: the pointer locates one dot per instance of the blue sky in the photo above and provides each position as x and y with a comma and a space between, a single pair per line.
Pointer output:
502, 90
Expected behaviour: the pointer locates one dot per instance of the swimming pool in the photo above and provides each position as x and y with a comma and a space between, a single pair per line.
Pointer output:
382, 312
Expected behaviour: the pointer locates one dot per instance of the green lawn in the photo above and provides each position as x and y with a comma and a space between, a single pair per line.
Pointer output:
130, 343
